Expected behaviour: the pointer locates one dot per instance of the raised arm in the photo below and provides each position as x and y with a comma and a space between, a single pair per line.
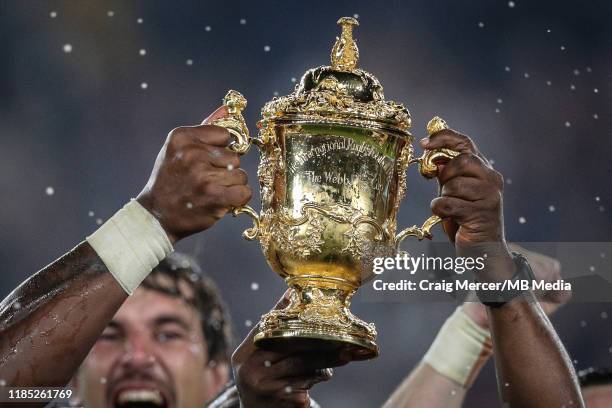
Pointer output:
533, 368
49, 323
463, 346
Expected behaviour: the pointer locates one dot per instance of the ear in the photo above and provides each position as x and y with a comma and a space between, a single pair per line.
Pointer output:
220, 376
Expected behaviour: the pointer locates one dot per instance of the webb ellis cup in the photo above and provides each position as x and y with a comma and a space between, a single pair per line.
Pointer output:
332, 173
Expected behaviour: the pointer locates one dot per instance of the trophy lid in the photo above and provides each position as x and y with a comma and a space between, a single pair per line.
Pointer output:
339, 94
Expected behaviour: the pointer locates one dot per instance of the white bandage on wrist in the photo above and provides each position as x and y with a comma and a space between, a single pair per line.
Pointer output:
460, 349
131, 243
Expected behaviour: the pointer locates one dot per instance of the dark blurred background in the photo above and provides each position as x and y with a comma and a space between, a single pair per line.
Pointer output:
89, 90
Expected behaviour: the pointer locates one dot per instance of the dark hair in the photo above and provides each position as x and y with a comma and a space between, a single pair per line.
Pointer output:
595, 376
180, 276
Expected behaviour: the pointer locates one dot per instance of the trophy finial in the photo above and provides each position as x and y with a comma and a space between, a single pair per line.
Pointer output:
235, 102
345, 53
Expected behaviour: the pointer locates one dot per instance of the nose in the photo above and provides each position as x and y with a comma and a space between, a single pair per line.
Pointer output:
139, 352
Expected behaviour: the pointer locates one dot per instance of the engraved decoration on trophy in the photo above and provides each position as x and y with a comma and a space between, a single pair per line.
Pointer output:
332, 174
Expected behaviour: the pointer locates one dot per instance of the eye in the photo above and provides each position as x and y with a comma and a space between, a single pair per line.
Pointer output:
110, 335
165, 336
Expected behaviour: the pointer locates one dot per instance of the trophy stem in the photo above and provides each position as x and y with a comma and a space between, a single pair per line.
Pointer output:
318, 319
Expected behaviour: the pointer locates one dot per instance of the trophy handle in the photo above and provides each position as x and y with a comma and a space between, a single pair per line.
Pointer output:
236, 125
428, 169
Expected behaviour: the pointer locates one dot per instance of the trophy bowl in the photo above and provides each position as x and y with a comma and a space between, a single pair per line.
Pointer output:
332, 174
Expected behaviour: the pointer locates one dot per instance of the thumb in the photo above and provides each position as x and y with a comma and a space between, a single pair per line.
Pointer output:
247, 343
220, 112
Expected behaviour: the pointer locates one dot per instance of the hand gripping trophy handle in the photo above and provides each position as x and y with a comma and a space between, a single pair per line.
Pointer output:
236, 125
428, 169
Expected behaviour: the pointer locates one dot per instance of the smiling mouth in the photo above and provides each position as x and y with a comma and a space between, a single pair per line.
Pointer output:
140, 398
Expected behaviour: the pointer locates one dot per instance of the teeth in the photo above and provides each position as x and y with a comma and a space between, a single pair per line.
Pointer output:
150, 396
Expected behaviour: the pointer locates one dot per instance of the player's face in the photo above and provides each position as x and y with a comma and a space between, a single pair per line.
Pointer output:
152, 354
598, 396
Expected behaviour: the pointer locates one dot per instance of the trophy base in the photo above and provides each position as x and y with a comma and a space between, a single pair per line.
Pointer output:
318, 319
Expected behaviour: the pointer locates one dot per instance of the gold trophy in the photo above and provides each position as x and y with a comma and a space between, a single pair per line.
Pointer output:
332, 174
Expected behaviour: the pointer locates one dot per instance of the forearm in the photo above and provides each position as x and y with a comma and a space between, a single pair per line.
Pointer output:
533, 368
448, 369
50, 322
426, 384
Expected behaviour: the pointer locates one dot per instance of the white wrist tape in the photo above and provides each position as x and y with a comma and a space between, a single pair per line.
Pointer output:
460, 349
131, 243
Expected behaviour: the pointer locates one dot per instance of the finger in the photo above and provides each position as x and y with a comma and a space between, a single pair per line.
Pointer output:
466, 188
247, 347
227, 178
237, 196
220, 112
306, 364
451, 207
304, 383
222, 158
449, 139
211, 135
466, 165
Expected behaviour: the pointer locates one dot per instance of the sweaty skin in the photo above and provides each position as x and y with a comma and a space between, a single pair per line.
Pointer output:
50, 322
533, 368
155, 342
